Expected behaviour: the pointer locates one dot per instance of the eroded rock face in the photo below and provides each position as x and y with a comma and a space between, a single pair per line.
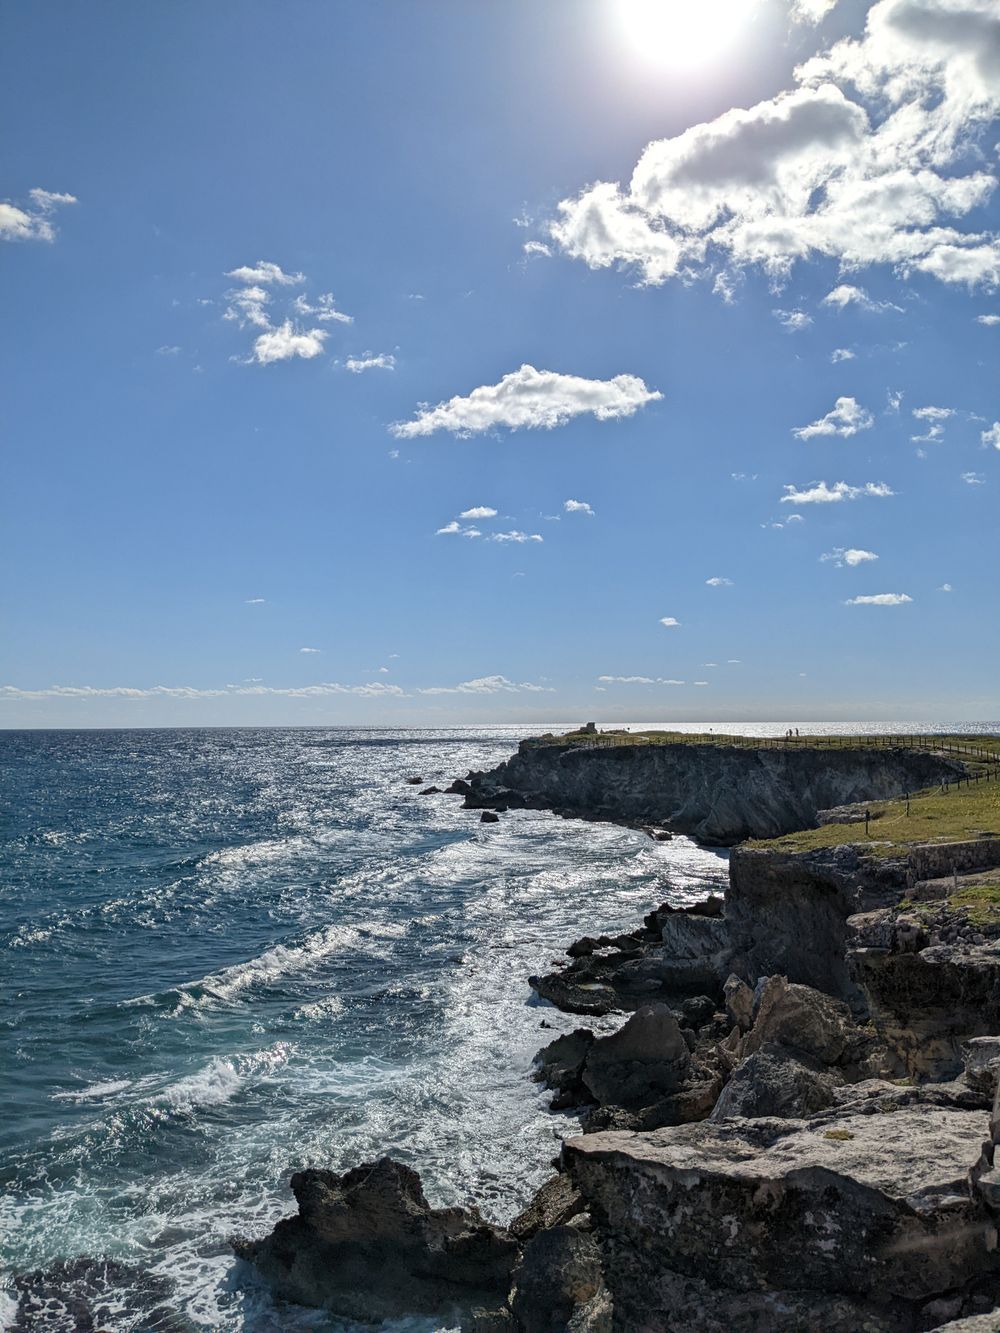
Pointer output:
639, 1063
366, 1245
802, 1019
858, 1207
772, 1082
559, 1285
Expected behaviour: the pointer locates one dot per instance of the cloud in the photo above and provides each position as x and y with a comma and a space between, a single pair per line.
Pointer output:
973, 479
33, 222
671, 622
880, 599
933, 413
384, 361
530, 398
372, 689
518, 537
167, 350
841, 354
845, 418
793, 321
991, 436
255, 601
536, 248
637, 680
821, 493
945, 587
846, 295
310, 650
286, 342
578, 507
716, 581
851, 556
265, 272
991, 321
811, 11
486, 685
865, 162
455, 529
478, 511
325, 308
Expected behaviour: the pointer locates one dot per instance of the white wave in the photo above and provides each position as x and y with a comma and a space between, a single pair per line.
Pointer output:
217, 1083
94, 1091
8, 1309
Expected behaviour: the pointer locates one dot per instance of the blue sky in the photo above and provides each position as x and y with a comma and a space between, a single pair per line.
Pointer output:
701, 301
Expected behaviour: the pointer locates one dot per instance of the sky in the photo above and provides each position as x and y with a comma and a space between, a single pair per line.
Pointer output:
427, 364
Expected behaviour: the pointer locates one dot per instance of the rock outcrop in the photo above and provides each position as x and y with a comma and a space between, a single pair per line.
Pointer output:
717, 793
367, 1246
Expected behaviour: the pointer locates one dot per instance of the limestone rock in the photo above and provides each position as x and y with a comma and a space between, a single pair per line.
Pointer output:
557, 1202
367, 1246
802, 1019
868, 1207
739, 1003
771, 1082
559, 1285
560, 1064
643, 1060
981, 1058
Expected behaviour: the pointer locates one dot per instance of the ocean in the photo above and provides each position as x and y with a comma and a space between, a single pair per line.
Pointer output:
229, 954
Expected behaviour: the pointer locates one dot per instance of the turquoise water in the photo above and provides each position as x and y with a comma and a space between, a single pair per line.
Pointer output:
230, 954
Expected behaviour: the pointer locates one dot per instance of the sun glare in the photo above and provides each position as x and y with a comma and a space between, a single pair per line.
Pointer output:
680, 34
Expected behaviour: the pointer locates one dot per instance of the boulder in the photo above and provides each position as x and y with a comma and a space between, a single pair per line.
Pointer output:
639, 1063
488, 817
430, 791
739, 1003
367, 1246
981, 1058
554, 1204
804, 1020
698, 1009
559, 1285
857, 1207
560, 1064
772, 1082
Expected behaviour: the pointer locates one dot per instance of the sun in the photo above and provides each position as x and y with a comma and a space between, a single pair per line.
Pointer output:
680, 34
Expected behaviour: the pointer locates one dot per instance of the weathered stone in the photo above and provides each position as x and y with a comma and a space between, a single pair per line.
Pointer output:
802, 1019
559, 1285
739, 1003
698, 1009
692, 1102
367, 1246
488, 817
981, 1058
640, 1062
555, 1203
867, 1206
560, 1064
771, 1082
573, 996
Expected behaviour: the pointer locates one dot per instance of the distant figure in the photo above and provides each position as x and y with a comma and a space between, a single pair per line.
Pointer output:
796, 731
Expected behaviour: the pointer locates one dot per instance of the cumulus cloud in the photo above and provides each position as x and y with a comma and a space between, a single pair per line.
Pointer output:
845, 418
456, 529
578, 507
637, 680
310, 650
265, 272
841, 354
671, 622
357, 364
973, 479
880, 599
811, 11
822, 493
254, 689
864, 162
530, 398
32, 221
846, 295
793, 321
486, 685
286, 342
991, 436
325, 308
850, 555
536, 248
991, 321
515, 536
945, 587
478, 511
716, 581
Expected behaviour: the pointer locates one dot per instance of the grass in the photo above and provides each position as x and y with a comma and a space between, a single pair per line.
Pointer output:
832, 740
955, 815
979, 903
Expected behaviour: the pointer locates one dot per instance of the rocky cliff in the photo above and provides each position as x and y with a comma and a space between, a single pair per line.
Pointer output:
717, 793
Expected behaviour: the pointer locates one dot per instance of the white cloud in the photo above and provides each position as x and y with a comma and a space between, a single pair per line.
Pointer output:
530, 398
372, 689
821, 493
265, 272
518, 537
671, 622
637, 680
733, 661
880, 599
699, 682
478, 511
384, 361
310, 650
33, 222
945, 587
486, 685
325, 308
991, 436
285, 342
841, 354
167, 350
455, 529
991, 321
248, 306
255, 601
973, 479
851, 556
536, 248
845, 418
811, 11
718, 582
578, 507
793, 321
865, 162
846, 295
893, 399
933, 413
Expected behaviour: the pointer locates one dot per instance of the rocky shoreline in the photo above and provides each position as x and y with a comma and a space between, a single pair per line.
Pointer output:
793, 1128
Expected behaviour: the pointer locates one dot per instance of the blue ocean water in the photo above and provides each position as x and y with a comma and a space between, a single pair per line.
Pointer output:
230, 954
